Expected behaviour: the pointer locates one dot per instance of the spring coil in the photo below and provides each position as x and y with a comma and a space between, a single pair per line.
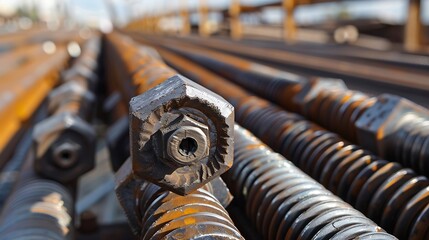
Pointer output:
199, 215
285, 203
378, 188
39, 209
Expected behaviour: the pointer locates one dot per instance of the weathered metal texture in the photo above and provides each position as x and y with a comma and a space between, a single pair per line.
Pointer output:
38, 209
65, 142
285, 203
369, 121
376, 187
134, 194
180, 135
133, 69
199, 215
396, 128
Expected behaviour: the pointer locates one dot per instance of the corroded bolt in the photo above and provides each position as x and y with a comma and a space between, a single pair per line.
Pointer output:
131, 191
180, 135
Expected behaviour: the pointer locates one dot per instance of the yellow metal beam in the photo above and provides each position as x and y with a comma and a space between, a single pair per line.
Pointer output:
289, 25
203, 18
413, 27
21, 92
184, 13
235, 23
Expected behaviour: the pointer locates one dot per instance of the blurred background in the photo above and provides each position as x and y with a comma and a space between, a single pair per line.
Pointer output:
258, 18
347, 51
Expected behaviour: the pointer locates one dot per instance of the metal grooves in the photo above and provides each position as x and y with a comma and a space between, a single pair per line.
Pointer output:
199, 215
338, 110
285, 203
39, 209
343, 168
370, 184
411, 144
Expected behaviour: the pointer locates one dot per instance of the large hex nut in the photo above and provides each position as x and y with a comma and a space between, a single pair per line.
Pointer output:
65, 147
378, 126
72, 92
160, 120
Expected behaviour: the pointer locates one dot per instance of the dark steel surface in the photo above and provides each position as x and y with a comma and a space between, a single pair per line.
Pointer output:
387, 125
65, 142
282, 201
343, 168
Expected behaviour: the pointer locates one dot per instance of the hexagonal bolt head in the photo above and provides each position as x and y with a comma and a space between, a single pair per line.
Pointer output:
180, 135
65, 147
378, 126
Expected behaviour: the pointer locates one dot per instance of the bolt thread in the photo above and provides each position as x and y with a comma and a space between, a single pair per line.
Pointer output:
39, 209
285, 203
378, 188
199, 215
410, 145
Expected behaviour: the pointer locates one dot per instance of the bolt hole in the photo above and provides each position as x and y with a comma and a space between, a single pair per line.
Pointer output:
188, 146
66, 155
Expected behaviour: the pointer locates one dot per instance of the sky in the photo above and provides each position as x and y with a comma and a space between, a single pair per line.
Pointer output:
96, 11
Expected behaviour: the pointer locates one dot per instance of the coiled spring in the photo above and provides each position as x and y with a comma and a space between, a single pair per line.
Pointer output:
198, 215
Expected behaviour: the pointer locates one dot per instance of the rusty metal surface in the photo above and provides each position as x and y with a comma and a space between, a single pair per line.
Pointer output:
378, 124
198, 215
181, 135
396, 76
135, 194
362, 179
285, 203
